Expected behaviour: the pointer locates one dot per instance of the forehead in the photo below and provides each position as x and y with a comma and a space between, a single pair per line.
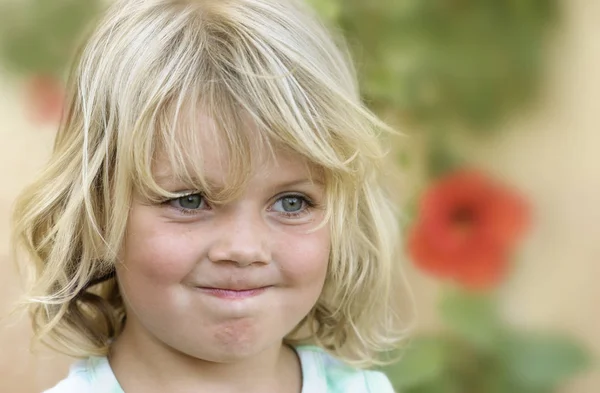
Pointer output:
216, 156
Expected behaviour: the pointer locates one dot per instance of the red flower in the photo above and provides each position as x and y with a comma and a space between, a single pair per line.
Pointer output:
45, 98
468, 225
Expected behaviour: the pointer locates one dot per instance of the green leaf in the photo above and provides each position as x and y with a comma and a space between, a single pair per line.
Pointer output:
422, 361
447, 62
543, 361
473, 318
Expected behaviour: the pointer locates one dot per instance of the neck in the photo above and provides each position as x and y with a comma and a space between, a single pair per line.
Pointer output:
143, 364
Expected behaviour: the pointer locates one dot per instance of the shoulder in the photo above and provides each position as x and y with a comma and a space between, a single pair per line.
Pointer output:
324, 373
86, 376
76, 381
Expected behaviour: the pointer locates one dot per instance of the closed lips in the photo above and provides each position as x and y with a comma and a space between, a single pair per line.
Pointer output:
243, 289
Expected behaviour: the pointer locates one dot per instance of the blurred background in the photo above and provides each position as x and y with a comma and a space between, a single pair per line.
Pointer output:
498, 103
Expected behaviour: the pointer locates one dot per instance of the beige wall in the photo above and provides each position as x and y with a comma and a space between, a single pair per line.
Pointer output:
23, 149
555, 155
552, 154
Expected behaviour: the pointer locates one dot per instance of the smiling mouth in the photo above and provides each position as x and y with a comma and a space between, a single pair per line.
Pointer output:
224, 293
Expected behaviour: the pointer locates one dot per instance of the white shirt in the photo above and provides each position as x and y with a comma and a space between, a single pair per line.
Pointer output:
321, 373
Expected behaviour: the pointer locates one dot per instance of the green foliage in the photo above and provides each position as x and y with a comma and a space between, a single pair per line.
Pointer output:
453, 62
40, 36
472, 318
422, 361
478, 352
537, 361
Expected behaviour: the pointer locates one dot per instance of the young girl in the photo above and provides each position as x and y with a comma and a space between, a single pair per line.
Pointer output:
212, 218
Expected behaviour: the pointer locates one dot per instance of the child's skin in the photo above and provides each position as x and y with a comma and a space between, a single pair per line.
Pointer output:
181, 336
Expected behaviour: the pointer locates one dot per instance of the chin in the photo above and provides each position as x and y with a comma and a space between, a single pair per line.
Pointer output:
233, 354
237, 340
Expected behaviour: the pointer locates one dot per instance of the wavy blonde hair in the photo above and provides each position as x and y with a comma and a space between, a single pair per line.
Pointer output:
140, 80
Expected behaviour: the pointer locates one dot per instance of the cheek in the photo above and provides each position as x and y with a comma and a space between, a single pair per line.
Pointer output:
305, 258
156, 253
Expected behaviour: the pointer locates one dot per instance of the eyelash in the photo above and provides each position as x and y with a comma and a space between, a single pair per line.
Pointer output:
309, 204
182, 210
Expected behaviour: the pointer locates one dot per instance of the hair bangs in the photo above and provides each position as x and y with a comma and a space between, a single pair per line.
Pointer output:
174, 152
275, 92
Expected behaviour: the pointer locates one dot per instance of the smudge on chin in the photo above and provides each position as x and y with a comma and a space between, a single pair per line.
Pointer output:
236, 335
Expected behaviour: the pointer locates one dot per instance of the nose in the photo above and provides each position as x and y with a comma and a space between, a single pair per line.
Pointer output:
241, 239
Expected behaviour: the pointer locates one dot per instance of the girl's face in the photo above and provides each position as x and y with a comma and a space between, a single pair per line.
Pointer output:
222, 283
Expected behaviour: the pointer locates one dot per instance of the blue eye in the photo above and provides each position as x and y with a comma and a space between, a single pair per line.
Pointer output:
189, 202
292, 205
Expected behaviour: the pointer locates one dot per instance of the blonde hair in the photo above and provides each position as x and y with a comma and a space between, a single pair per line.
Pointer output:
141, 79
